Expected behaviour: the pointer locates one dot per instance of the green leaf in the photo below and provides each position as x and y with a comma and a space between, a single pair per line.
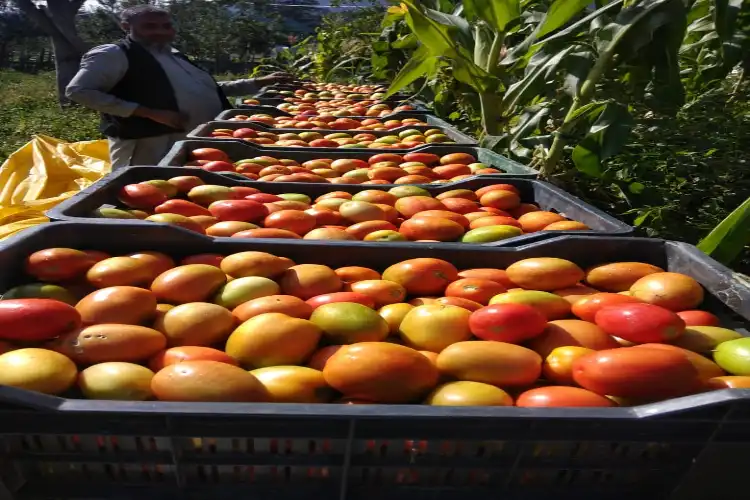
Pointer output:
575, 28
496, 13
458, 25
439, 39
559, 13
541, 68
605, 138
420, 64
405, 42
591, 110
728, 239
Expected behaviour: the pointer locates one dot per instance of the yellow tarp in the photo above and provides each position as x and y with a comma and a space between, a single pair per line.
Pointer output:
43, 173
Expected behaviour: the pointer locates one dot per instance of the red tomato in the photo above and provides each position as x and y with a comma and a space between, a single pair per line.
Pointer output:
58, 264
587, 307
640, 323
212, 259
699, 318
36, 319
295, 221
218, 166
562, 396
211, 154
243, 191
431, 228
181, 207
325, 216
512, 323
238, 210
476, 289
145, 196
637, 372
263, 197
496, 275
467, 304
422, 276
329, 298
176, 355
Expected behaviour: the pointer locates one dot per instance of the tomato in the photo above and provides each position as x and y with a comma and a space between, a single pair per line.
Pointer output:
412, 205
295, 221
36, 319
264, 232
422, 276
476, 289
460, 205
382, 292
145, 196
562, 396
218, 166
431, 228
637, 372
263, 197
494, 220
707, 369
212, 259
640, 323
385, 157
238, 210
496, 275
494, 187
352, 274
329, 298
587, 307
243, 191
467, 304
188, 353
699, 318
558, 366
58, 264
444, 214
362, 229
181, 207
211, 154
512, 323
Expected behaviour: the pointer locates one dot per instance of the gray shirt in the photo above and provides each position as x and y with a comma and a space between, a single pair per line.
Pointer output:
104, 66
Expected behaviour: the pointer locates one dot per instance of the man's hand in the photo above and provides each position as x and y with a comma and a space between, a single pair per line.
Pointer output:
172, 119
274, 78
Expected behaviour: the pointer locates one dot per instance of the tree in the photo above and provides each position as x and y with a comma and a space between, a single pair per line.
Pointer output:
57, 18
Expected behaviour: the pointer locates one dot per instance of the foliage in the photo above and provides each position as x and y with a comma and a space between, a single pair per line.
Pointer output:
631, 105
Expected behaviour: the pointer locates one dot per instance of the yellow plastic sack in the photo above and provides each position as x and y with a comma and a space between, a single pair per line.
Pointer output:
43, 173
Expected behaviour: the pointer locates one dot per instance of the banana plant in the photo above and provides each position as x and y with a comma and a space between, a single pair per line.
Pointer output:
727, 240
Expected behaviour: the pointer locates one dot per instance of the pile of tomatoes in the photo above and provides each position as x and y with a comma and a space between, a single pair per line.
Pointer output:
256, 327
384, 168
403, 213
328, 122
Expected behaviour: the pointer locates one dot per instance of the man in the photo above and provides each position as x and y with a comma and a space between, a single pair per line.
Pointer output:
149, 94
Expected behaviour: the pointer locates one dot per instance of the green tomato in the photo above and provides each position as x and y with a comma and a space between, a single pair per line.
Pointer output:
734, 356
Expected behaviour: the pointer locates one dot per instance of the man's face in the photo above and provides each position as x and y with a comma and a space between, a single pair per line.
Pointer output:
153, 28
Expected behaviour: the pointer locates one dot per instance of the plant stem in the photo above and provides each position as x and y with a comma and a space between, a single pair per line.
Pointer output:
495, 49
584, 96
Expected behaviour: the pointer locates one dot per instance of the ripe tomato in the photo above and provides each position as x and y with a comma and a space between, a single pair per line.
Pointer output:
431, 228
36, 319
145, 196
467, 304
212, 259
587, 307
238, 210
295, 221
640, 323
329, 298
218, 166
637, 372
496, 275
181, 207
476, 289
211, 154
699, 318
175, 355
263, 197
422, 276
562, 396
58, 264
512, 323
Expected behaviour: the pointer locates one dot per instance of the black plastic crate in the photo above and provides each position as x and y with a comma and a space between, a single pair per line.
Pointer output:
204, 132
680, 449
179, 155
81, 206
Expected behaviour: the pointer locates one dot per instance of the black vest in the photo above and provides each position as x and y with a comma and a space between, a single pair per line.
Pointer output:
146, 84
